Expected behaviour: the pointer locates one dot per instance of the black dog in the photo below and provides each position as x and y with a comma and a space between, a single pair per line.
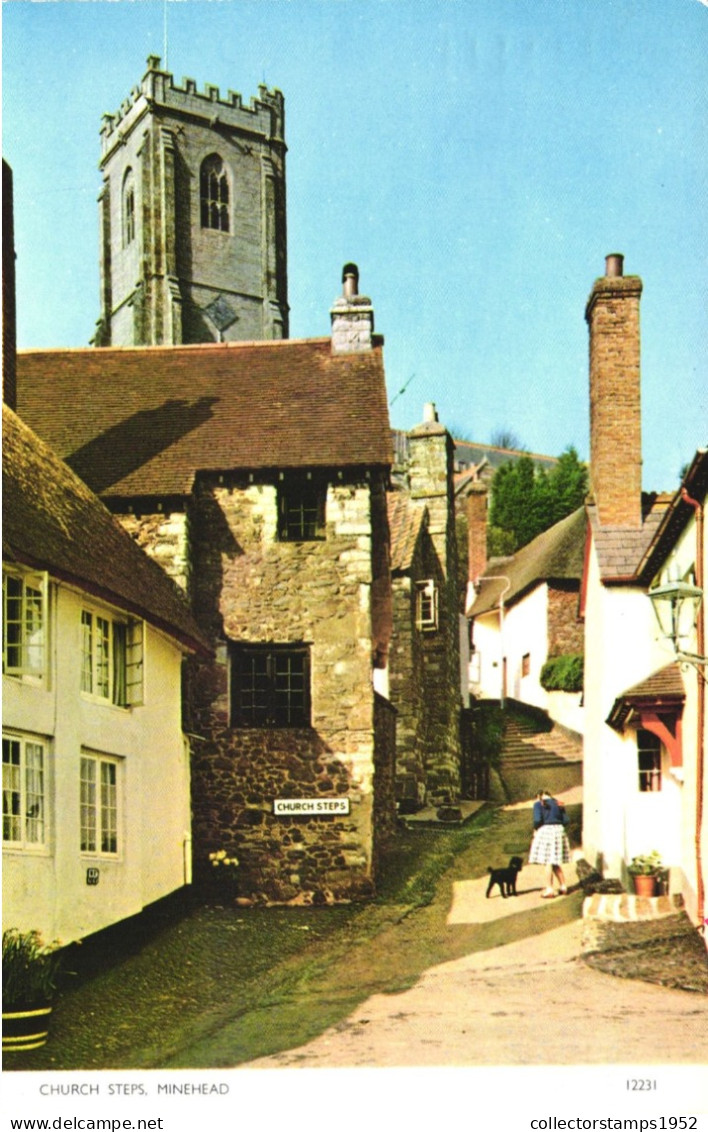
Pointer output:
505, 878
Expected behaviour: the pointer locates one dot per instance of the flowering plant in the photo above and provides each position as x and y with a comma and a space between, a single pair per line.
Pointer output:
648, 865
219, 858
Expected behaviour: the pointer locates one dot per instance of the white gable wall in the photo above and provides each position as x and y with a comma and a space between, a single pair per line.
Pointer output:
619, 821
45, 887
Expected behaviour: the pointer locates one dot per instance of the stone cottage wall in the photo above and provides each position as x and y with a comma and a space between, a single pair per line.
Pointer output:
249, 587
407, 694
164, 536
565, 630
431, 486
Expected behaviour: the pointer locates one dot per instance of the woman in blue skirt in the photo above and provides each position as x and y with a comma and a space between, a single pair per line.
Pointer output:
550, 845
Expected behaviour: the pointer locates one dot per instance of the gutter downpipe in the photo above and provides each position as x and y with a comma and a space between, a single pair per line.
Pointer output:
701, 712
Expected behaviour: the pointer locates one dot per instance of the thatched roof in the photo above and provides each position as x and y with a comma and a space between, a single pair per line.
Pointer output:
556, 555
53, 522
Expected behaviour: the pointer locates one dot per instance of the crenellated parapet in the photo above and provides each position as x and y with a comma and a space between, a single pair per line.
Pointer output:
263, 118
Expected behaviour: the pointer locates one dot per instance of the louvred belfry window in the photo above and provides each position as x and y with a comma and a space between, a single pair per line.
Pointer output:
214, 194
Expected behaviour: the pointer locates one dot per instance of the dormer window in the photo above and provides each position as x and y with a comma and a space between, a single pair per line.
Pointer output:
426, 606
214, 194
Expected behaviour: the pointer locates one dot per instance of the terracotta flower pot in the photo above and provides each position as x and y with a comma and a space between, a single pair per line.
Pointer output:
645, 885
25, 1029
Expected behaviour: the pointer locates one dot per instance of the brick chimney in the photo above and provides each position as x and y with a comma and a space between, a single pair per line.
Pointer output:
477, 531
612, 314
352, 316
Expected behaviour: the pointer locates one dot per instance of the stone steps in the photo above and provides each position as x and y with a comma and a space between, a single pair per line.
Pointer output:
535, 755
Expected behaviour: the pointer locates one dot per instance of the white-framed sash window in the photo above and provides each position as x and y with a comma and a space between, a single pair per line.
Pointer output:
99, 801
112, 658
24, 641
24, 824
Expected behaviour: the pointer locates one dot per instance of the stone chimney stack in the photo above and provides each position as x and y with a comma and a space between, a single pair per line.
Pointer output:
612, 314
477, 531
352, 316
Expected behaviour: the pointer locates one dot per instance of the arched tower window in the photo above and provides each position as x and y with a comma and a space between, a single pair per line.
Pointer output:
128, 208
214, 194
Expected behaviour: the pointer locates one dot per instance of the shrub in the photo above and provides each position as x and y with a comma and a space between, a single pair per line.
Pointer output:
563, 673
29, 970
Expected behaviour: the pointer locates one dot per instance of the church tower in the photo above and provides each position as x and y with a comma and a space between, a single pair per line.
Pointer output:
192, 216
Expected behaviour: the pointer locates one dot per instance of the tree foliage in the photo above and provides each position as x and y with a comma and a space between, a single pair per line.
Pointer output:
526, 500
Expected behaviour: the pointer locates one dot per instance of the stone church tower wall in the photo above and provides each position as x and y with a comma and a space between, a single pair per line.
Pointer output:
192, 216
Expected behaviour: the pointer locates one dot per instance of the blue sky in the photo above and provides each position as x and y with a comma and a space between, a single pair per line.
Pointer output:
477, 159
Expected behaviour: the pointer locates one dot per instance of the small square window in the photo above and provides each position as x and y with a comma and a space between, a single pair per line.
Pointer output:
270, 686
301, 511
526, 664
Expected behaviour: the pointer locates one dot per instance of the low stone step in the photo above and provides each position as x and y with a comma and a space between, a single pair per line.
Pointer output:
625, 907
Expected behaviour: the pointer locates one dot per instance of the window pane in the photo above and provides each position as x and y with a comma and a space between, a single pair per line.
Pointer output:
119, 663
214, 194
11, 791
649, 760
288, 689
271, 687
109, 808
24, 616
302, 513
34, 792
103, 658
86, 651
88, 805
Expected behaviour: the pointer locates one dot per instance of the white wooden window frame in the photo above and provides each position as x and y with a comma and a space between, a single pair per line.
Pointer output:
26, 618
426, 606
106, 642
100, 805
24, 791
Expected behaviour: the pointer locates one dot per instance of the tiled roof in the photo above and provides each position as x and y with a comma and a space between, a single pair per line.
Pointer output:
555, 555
467, 453
53, 522
621, 549
143, 421
662, 689
405, 522
676, 516
666, 682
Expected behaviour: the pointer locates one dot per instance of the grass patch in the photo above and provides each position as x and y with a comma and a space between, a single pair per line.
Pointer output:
214, 986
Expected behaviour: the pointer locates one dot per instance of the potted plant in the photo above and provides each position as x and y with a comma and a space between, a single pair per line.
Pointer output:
645, 871
224, 870
30, 969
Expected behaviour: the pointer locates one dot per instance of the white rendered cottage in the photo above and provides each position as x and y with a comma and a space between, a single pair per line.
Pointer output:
96, 781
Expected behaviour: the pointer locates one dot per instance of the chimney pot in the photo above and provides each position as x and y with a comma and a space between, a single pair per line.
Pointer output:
430, 413
350, 279
614, 265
